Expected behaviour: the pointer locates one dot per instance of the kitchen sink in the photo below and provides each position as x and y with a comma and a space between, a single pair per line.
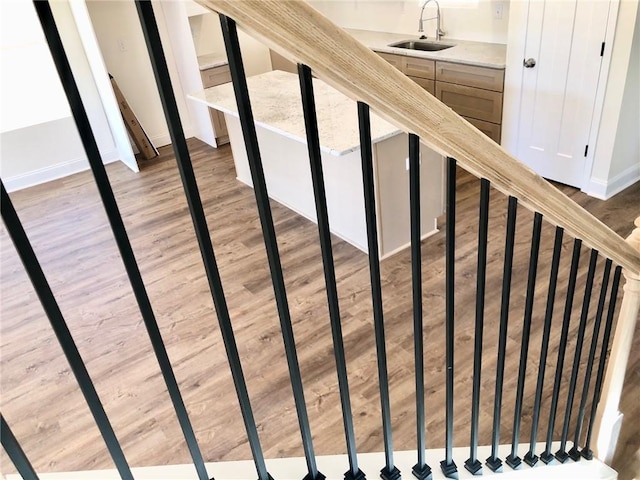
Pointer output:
425, 46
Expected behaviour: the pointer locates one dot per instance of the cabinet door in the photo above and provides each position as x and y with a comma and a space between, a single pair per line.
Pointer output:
470, 75
428, 85
491, 130
395, 60
471, 102
420, 67
219, 126
215, 76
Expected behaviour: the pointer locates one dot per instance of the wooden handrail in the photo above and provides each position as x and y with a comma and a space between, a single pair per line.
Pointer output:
296, 30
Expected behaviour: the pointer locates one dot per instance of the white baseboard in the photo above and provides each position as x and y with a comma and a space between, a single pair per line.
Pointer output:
161, 140
604, 190
54, 172
333, 466
165, 138
408, 244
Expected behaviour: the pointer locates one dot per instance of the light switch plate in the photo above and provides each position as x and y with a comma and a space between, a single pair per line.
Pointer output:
497, 10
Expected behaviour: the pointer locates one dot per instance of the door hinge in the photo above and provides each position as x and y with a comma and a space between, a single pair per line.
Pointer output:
602, 49
586, 149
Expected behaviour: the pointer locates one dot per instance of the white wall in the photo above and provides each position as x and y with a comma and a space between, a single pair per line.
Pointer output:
464, 20
31, 92
83, 75
626, 151
124, 50
179, 39
39, 138
207, 38
616, 163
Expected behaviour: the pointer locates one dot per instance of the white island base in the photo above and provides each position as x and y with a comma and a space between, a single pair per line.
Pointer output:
288, 178
279, 120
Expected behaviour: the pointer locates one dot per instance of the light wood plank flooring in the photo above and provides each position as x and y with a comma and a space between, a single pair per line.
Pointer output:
68, 229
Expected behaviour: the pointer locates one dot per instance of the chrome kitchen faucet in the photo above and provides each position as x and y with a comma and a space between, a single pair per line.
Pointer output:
439, 32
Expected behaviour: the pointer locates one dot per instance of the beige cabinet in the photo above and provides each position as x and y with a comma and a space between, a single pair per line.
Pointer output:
491, 130
210, 78
420, 70
420, 67
473, 92
470, 75
397, 61
471, 102
428, 85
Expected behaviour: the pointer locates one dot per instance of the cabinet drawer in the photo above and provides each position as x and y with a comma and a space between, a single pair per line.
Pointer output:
428, 85
471, 76
471, 102
395, 60
215, 76
491, 130
420, 67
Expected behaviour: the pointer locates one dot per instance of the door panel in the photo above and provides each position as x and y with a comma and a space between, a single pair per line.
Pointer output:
558, 94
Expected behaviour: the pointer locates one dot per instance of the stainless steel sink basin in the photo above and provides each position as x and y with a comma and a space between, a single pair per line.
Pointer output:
423, 45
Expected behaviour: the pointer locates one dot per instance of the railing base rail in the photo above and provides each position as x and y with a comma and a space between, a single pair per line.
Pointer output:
333, 467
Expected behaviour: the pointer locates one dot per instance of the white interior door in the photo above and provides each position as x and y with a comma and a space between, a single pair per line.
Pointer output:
564, 39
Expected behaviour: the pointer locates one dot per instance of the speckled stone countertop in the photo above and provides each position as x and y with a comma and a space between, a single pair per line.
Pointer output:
212, 60
277, 106
492, 55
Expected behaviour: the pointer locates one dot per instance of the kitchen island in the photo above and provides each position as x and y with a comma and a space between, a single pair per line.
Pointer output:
277, 110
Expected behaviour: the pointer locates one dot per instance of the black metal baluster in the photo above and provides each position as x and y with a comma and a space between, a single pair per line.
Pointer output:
561, 455
190, 186
117, 225
59, 326
493, 462
448, 466
512, 459
389, 472
239, 79
15, 452
420, 470
473, 464
531, 458
547, 456
317, 177
574, 453
586, 451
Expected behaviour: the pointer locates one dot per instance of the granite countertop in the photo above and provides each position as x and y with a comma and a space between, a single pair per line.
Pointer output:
277, 106
212, 60
492, 55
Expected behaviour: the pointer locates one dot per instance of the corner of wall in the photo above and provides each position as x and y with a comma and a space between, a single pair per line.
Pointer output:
605, 189
601, 179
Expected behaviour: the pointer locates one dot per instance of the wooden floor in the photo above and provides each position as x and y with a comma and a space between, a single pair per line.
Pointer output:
68, 229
